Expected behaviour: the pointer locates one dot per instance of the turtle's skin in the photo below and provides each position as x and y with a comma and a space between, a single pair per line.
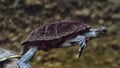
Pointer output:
59, 34
8, 59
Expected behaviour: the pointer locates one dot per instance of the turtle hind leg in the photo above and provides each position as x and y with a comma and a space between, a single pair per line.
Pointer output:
24, 60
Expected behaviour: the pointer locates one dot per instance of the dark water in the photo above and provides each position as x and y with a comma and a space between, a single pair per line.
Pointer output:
17, 20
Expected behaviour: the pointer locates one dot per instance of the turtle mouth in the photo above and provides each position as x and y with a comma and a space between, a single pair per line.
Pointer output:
104, 32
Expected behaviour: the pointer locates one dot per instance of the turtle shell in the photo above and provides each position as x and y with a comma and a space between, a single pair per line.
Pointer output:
56, 32
5, 54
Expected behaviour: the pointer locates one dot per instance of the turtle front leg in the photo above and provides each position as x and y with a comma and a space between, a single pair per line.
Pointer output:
80, 39
82, 43
23, 62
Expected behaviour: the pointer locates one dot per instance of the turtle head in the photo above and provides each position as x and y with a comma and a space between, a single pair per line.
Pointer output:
101, 31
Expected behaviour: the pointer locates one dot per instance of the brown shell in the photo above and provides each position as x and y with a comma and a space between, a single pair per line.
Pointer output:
57, 30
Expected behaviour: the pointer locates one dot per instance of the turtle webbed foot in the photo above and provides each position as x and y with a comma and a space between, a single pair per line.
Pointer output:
82, 43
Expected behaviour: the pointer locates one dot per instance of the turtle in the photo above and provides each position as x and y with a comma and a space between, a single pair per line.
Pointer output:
60, 34
8, 59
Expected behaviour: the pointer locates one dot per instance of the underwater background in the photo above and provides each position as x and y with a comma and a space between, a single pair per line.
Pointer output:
18, 19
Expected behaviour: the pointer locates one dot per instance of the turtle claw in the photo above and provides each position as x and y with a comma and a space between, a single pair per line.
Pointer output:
79, 52
82, 41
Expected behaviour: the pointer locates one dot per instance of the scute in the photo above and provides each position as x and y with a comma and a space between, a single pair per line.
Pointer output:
5, 54
56, 30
